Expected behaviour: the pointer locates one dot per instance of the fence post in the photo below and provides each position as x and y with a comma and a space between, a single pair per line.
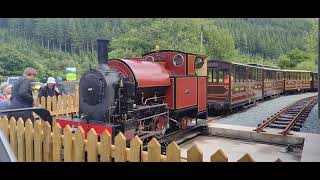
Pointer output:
65, 105
105, 153
67, 144
49, 104
92, 146
29, 140
173, 152
47, 142
59, 105
13, 135
120, 148
43, 102
79, 145
136, 149
4, 125
194, 154
21, 141
56, 142
36, 102
37, 141
246, 158
54, 105
70, 104
219, 156
154, 151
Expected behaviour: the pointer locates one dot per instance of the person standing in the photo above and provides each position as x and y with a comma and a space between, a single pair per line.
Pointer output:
5, 92
50, 89
22, 94
5, 95
60, 86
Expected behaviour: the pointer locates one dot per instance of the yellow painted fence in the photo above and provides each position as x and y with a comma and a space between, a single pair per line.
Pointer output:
59, 106
39, 142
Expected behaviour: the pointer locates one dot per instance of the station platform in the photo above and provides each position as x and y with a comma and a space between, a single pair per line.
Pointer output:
311, 148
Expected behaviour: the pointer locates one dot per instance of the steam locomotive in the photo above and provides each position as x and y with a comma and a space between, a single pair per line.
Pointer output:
147, 96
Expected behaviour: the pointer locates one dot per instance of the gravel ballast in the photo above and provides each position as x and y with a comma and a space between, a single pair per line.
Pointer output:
312, 123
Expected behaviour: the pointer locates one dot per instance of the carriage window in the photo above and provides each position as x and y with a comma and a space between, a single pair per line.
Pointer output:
221, 76
250, 72
244, 73
290, 75
260, 74
265, 75
233, 75
215, 75
240, 73
209, 75
237, 74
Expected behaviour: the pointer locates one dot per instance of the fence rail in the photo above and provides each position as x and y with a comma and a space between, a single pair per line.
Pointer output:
39, 142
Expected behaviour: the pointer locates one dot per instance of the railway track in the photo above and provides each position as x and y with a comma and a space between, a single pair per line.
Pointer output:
291, 117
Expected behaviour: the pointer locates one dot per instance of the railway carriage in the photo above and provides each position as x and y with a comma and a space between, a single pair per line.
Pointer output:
232, 85
297, 80
272, 82
314, 82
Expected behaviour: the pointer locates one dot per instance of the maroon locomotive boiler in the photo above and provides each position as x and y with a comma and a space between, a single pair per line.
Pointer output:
148, 96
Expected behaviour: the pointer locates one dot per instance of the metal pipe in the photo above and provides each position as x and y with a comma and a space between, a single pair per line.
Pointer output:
148, 107
145, 102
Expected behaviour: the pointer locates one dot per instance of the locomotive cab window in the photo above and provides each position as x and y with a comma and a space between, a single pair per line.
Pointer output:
198, 63
178, 60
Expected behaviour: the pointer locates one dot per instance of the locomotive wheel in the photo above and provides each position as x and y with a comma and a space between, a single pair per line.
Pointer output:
185, 121
160, 125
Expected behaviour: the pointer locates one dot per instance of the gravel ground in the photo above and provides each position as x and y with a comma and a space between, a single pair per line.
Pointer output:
254, 115
312, 123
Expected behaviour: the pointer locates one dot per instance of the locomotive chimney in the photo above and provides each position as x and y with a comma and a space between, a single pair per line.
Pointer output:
102, 51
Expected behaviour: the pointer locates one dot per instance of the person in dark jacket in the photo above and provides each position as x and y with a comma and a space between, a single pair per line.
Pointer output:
22, 94
60, 86
50, 89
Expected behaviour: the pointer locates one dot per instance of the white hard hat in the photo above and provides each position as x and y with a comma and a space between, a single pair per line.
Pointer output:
51, 80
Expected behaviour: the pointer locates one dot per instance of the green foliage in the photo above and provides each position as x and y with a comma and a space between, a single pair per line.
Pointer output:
266, 37
292, 58
52, 44
12, 61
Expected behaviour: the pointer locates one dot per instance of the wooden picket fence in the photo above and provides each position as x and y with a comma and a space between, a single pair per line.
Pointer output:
59, 106
39, 142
